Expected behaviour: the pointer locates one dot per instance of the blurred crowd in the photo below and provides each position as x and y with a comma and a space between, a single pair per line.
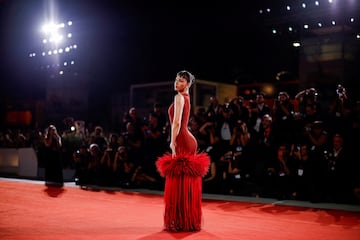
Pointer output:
293, 147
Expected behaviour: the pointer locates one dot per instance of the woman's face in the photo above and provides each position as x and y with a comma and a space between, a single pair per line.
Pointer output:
180, 84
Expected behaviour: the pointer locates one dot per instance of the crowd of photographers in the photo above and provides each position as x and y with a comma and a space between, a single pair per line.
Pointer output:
292, 148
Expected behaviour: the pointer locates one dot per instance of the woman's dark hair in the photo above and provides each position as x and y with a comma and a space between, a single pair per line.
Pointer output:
187, 75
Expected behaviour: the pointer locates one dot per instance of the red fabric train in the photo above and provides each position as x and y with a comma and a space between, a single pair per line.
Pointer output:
183, 190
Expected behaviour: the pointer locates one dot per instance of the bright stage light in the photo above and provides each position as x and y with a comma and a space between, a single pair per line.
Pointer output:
310, 15
296, 44
57, 43
49, 28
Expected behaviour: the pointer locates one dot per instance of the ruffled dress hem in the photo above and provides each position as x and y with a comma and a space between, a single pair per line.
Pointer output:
183, 190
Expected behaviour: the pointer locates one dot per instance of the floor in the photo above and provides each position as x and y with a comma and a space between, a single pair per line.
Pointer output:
335, 206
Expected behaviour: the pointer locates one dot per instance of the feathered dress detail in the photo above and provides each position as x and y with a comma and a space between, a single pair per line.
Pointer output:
183, 190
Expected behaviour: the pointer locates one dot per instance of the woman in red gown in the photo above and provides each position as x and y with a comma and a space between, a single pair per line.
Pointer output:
184, 167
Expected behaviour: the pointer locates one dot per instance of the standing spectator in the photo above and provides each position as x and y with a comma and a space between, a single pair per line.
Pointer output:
98, 138
337, 185
299, 160
340, 112
123, 167
53, 162
258, 109
283, 117
82, 160
317, 138
159, 111
277, 180
107, 160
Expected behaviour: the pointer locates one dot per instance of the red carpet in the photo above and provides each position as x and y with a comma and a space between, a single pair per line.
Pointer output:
33, 211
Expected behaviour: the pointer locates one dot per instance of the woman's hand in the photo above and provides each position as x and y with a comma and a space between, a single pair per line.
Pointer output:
172, 147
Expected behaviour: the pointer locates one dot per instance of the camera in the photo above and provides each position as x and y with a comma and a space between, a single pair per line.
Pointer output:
239, 149
241, 127
253, 104
77, 153
209, 149
228, 156
209, 126
340, 91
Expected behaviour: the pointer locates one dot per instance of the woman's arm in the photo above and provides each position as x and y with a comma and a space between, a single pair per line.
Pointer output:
50, 138
176, 125
212, 171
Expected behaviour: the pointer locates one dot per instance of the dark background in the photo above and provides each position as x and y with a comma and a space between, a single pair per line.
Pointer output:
125, 42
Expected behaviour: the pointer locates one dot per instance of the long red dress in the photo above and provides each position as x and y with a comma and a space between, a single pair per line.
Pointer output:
183, 178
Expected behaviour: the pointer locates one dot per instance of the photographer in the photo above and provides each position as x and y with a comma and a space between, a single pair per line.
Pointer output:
240, 110
339, 112
338, 184
317, 139
278, 182
258, 109
123, 167
299, 160
306, 97
283, 117
81, 158
107, 160
231, 175
53, 161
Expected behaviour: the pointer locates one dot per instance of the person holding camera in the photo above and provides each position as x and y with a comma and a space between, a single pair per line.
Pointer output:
81, 159
232, 174
154, 143
340, 112
107, 160
123, 167
299, 160
278, 182
257, 109
53, 162
316, 137
283, 117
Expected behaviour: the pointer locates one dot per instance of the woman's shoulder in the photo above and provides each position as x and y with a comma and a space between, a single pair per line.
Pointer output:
179, 94
179, 97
